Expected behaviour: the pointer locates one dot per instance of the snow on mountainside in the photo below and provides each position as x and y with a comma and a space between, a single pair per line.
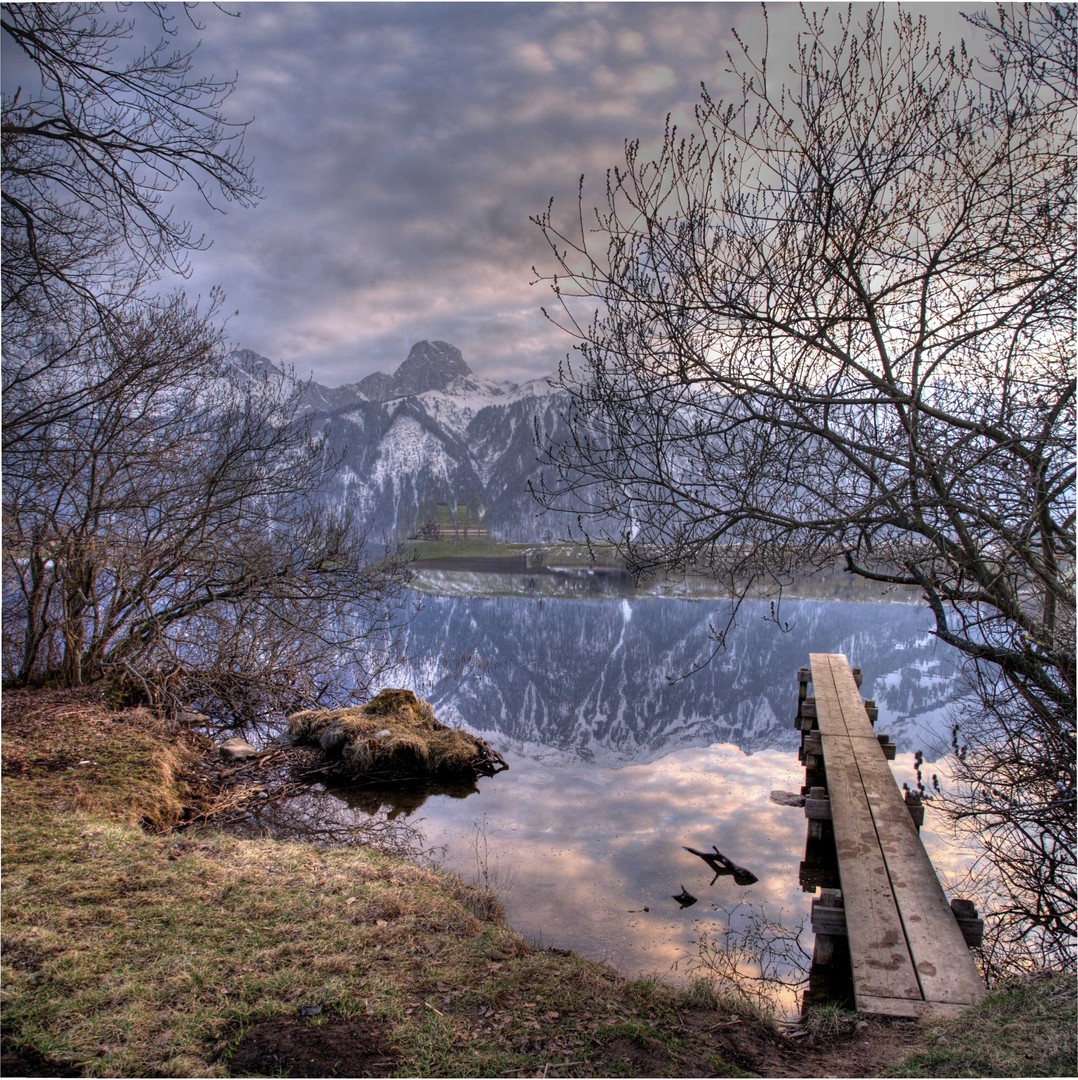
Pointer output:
431, 433
455, 406
589, 677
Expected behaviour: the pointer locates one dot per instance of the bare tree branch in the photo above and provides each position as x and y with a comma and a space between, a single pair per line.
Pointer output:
91, 152
834, 323
169, 528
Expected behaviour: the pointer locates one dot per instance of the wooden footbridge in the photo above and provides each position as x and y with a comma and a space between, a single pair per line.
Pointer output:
908, 948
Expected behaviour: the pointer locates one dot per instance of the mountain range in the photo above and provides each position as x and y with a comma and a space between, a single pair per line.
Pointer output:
429, 441
585, 677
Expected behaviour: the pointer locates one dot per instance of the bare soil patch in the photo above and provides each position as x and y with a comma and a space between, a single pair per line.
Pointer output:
314, 1046
867, 1048
23, 1062
873, 1048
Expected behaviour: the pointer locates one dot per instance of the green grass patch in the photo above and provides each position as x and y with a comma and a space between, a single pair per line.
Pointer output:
1026, 1028
465, 547
552, 555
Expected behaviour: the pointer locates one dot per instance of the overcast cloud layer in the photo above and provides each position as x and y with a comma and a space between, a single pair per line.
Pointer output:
403, 147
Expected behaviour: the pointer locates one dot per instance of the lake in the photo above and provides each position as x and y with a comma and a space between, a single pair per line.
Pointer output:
619, 758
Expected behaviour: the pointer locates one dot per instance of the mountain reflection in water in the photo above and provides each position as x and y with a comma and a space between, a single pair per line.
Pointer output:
600, 680
615, 769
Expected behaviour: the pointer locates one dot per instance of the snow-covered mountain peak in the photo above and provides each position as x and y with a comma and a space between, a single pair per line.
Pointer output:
248, 362
534, 388
431, 435
456, 406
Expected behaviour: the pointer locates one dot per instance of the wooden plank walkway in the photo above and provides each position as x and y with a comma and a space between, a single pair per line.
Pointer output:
908, 954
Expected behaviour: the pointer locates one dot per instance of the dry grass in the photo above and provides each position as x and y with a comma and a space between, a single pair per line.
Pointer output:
1028, 1027
132, 951
395, 734
72, 752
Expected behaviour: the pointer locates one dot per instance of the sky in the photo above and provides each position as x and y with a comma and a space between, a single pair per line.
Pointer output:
403, 148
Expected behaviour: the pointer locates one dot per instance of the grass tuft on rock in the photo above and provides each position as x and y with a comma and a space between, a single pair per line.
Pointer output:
396, 734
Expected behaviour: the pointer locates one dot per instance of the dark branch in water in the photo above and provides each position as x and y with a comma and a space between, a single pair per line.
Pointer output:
722, 865
685, 898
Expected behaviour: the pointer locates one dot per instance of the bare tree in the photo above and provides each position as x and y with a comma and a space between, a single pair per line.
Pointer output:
1013, 794
160, 521
836, 322
93, 145
169, 530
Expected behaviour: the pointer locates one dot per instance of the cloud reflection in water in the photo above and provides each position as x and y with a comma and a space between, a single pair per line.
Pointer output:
614, 771
586, 850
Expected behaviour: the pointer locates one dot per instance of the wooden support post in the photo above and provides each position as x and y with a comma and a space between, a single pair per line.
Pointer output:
823, 950
817, 810
810, 753
972, 927
817, 873
916, 808
805, 720
828, 913
828, 923
819, 868
803, 676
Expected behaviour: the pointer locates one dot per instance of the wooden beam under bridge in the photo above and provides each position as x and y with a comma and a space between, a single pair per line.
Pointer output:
909, 956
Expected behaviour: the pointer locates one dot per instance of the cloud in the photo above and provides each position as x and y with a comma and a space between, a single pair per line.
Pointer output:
611, 844
403, 148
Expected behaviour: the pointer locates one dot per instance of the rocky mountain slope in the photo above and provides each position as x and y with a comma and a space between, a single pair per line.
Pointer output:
431, 435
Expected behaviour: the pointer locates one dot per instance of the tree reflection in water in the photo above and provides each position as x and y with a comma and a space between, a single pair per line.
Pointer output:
755, 957
377, 815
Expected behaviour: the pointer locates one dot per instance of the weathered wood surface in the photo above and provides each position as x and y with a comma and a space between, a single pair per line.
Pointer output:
908, 953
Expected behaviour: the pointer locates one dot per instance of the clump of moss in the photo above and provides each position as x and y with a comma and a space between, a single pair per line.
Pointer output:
396, 734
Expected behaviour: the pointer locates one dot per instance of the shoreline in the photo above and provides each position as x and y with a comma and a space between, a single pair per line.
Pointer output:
135, 949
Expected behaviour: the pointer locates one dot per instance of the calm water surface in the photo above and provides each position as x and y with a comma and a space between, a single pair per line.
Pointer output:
616, 763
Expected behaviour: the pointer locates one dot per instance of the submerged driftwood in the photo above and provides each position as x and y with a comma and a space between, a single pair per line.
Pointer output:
685, 898
394, 736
